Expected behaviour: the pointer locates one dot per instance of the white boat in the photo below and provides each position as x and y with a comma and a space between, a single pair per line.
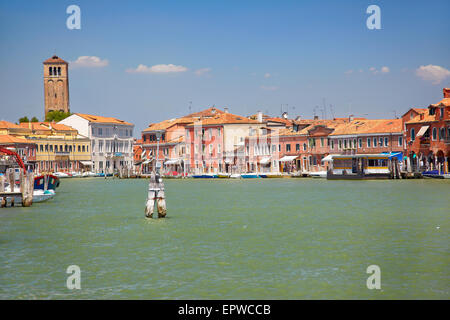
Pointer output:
62, 175
75, 174
88, 174
41, 195
235, 176
318, 174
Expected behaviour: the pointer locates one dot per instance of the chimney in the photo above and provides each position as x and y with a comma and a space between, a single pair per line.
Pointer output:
260, 116
351, 117
446, 92
225, 109
316, 117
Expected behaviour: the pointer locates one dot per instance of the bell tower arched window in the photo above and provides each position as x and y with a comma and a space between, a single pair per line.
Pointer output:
50, 71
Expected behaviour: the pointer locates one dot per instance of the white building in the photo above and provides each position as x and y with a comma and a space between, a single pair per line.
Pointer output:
111, 140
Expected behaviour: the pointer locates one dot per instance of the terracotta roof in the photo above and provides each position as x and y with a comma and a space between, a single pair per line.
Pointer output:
9, 139
55, 59
280, 120
8, 125
101, 119
443, 103
226, 118
426, 118
166, 124
368, 126
46, 126
210, 112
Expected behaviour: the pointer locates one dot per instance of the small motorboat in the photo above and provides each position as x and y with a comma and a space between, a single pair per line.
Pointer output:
270, 175
223, 175
52, 182
88, 174
318, 174
41, 195
62, 175
205, 176
249, 175
235, 176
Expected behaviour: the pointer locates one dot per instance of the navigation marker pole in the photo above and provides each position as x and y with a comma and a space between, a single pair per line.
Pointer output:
156, 188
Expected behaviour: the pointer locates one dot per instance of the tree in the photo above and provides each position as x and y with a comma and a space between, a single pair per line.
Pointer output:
24, 119
56, 115
34, 119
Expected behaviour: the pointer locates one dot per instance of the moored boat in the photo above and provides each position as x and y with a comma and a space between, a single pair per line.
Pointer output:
223, 175
318, 174
249, 175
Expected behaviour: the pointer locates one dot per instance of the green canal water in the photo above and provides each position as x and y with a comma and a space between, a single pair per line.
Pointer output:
224, 239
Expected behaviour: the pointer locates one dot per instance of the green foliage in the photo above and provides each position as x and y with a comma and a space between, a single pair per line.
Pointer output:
24, 119
34, 119
56, 116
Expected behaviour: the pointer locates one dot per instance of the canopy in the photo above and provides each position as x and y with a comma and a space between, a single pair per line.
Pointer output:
265, 160
86, 163
422, 131
287, 158
329, 158
398, 155
172, 161
146, 162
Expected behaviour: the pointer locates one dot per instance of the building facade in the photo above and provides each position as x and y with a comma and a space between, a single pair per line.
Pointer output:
427, 133
111, 141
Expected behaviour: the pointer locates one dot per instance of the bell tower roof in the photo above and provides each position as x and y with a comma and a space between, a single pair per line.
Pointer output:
55, 59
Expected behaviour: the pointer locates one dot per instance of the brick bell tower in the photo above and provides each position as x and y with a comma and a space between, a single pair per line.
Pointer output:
56, 85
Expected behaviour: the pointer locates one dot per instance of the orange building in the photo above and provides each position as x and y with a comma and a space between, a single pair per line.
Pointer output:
428, 136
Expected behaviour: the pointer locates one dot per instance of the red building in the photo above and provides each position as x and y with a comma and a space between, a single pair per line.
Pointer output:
427, 134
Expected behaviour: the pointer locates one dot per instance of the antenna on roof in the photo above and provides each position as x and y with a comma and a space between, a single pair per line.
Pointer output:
190, 107
324, 109
331, 110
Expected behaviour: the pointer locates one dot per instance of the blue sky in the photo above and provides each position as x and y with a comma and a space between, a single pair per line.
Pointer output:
247, 55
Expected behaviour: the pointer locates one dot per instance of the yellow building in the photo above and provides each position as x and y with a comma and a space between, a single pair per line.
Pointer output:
59, 148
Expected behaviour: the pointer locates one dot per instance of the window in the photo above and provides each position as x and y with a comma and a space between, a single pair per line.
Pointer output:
210, 133
441, 113
304, 146
79, 148
332, 144
100, 131
374, 142
400, 141
41, 148
340, 144
360, 143
380, 140
187, 134
84, 148
218, 148
354, 143
434, 133
46, 148
70, 148
321, 142
413, 134
288, 148
368, 142
297, 147
218, 132
51, 148
279, 148
210, 146
50, 72
386, 141
442, 134
274, 148
345, 144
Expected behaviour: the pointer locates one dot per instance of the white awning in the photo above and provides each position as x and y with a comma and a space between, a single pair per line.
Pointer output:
229, 160
143, 154
146, 162
287, 158
329, 158
86, 163
422, 131
265, 160
173, 161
